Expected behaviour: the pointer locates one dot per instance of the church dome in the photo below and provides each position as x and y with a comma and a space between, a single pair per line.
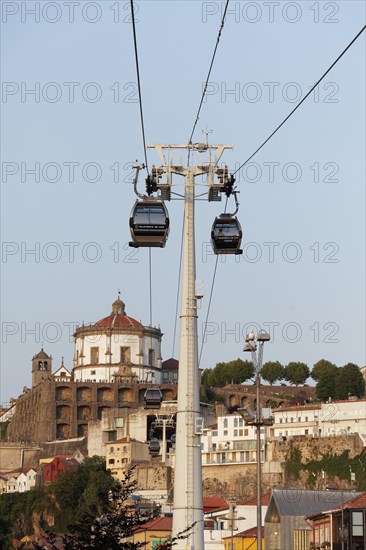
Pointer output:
118, 318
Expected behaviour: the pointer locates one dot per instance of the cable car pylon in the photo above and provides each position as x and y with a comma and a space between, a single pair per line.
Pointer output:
188, 496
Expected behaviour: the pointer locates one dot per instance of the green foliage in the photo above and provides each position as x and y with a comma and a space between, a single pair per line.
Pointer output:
350, 382
293, 464
16, 509
81, 491
334, 466
236, 372
272, 371
321, 368
325, 387
339, 382
297, 373
5, 534
114, 527
3, 429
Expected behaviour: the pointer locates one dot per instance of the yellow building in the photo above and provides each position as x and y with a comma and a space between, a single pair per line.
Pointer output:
124, 452
153, 533
246, 540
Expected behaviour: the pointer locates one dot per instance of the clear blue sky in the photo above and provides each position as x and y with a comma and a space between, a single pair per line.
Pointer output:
303, 194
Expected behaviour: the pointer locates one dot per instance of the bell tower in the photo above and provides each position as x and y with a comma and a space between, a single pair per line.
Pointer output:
41, 367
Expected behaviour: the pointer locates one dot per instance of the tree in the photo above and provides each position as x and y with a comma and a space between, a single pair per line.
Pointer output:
297, 373
82, 491
272, 371
340, 382
321, 368
349, 382
236, 372
108, 522
326, 386
5, 535
107, 519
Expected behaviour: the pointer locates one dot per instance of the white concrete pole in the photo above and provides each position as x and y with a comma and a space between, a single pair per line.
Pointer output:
188, 506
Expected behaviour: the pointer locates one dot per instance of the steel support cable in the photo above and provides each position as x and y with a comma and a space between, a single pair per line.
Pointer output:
139, 83
302, 100
143, 134
208, 76
209, 302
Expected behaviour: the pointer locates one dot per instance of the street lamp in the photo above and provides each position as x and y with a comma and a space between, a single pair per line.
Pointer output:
232, 519
256, 419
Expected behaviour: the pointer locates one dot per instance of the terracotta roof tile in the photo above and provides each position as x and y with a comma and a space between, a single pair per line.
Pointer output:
118, 321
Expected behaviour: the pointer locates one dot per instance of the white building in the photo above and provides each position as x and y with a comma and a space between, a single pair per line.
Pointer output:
295, 420
218, 522
230, 441
116, 348
21, 481
343, 417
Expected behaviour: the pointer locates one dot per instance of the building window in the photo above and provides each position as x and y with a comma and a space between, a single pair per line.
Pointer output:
235, 433
124, 460
124, 449
291, 419
236, 422
306, 419
214, 433
165, 375
225, 422
93, 372
246, 432
151, 357
240, 421
111, 461
112, 436
225, 432
240, 433
280, 420
94, 356
125, 355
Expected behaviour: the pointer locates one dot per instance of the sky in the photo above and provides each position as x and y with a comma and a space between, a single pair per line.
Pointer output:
71, 131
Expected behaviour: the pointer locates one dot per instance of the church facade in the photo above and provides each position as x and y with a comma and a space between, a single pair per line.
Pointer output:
115, 361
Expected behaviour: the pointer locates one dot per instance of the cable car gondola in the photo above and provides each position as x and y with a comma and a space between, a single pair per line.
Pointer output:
153, 398
149, 223
226, 235
154, 447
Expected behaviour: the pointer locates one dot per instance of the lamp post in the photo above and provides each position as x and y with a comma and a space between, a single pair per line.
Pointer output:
256, 419
232, 519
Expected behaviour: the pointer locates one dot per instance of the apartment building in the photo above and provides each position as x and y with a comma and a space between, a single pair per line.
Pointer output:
230, 441
295, 421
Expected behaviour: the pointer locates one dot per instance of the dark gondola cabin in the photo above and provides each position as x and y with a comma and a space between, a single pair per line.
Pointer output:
149, 224
154, 447
153, 398
226, 235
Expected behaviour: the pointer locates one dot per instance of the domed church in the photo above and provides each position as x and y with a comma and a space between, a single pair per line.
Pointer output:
117, 349
115, 361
